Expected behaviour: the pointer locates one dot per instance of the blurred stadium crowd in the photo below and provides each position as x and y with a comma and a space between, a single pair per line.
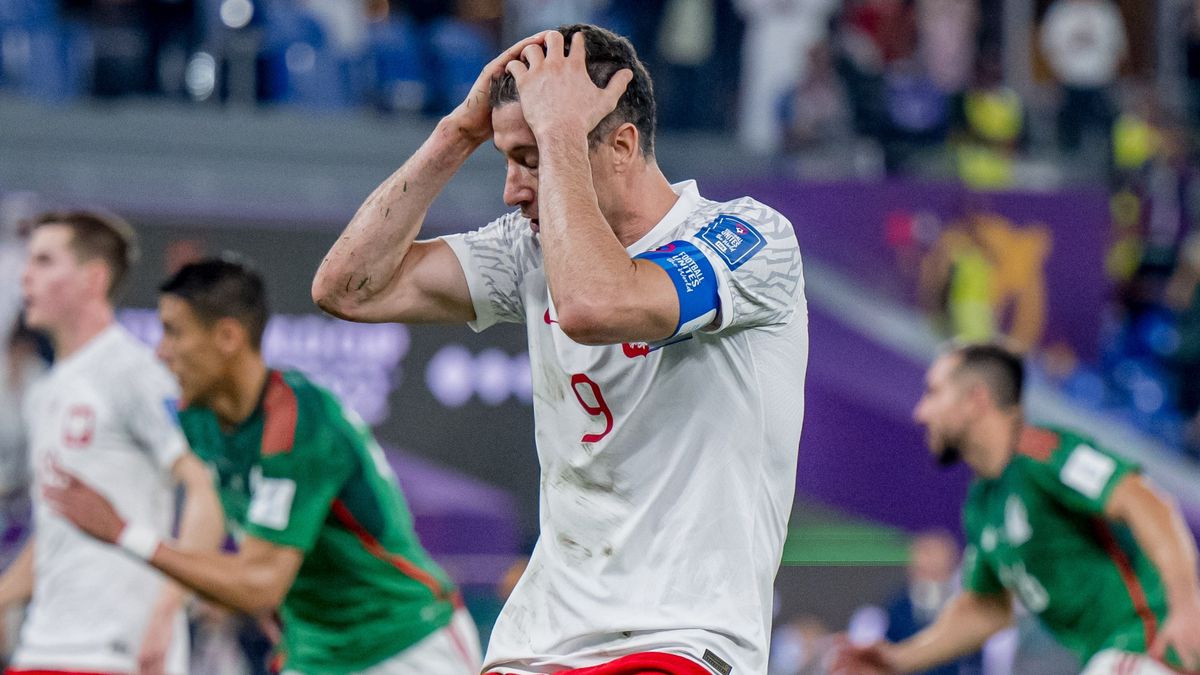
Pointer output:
829, 89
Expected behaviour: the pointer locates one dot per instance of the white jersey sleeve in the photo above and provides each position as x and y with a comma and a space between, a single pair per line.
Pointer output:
741, 269
494, 259
151, 403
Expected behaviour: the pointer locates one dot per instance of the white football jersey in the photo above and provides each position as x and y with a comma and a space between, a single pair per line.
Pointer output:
105, 414
667, 470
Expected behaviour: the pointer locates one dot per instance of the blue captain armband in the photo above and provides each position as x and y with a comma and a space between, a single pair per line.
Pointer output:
695, 283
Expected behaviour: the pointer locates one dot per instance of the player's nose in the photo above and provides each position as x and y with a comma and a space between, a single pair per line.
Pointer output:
518, 189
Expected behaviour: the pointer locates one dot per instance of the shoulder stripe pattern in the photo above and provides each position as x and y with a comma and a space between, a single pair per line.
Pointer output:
375, 548
279, 416
1038, 443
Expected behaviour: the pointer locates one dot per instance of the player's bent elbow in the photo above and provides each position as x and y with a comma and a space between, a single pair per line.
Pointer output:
264, 599
335, 303
585, 325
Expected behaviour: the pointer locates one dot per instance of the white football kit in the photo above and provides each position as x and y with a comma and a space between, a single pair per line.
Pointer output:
105, 414
667, 470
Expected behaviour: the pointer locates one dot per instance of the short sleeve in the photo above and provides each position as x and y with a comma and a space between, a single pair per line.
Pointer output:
977, 575
303, 468
494, 259
1081, 476
756, 258
152, 415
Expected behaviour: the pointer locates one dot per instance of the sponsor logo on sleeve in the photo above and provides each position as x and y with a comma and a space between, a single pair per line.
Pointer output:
1087, 470
271, 503
734, 240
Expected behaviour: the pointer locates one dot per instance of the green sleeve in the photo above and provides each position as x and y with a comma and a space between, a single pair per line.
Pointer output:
293, 490
1081, 476
977, 575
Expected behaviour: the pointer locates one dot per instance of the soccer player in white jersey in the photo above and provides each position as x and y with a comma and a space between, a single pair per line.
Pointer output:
103, 412
668, 345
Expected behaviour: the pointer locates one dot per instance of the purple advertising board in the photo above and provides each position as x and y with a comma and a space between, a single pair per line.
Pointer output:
1046, 247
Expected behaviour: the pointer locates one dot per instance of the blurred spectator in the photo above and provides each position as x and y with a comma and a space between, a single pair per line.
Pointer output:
946, 34
801, 646
139, 45
1182, 297
527, 17
990, 128
1084, 43
779, 38
932, 581
697, 67
344, 23
817, 113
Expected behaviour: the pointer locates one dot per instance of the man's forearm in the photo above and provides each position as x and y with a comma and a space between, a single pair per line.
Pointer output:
1161, 532
574, 229
201, 528
961, 629
220, 577
366, 257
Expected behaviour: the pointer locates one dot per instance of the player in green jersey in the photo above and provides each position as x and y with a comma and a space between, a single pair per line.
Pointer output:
323, 532
1074, 532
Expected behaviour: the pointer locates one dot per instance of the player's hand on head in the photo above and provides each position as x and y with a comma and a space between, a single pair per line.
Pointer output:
81, 504
557, 95
474, 115
852, 659
1181, 631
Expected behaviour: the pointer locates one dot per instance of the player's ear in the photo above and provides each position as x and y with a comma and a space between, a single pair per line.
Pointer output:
624, 143
229, 334
99, 276
980, 397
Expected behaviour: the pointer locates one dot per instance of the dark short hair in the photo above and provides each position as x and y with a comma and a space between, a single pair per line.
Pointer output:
607, 53
1001, 369
96, 235
219, 288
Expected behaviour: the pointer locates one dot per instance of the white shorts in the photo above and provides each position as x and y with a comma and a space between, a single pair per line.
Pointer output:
453, 650
1117, 662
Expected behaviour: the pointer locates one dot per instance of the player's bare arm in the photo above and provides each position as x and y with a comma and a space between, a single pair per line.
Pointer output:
1161, 532
963, 626
254, 580
600, 294
201, 528
376, 271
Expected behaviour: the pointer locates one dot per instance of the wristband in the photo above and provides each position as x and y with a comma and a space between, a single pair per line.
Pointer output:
139, 540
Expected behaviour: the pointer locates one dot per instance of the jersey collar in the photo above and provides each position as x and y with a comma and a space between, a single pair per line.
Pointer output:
94, 346
689, 197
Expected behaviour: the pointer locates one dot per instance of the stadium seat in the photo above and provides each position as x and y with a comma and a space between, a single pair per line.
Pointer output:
461, 51
397, 73
295, 64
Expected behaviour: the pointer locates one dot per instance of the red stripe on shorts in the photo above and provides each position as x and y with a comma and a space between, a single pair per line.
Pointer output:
18, 671
645, 663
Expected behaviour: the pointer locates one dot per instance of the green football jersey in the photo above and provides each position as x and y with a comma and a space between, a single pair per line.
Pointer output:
305, 473
1038, 530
